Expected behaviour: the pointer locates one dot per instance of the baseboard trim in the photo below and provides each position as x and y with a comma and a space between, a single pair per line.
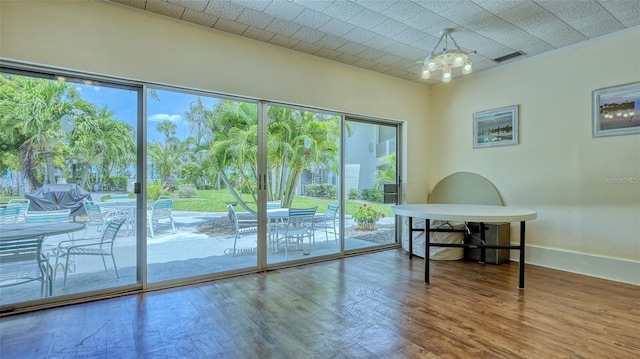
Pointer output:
615, 269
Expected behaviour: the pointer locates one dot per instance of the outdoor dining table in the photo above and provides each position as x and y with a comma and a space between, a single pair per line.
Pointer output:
19, 231
275, 215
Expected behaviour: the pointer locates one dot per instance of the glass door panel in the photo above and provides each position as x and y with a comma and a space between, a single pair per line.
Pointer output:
201, 186
68, 149
370, 166
303, 161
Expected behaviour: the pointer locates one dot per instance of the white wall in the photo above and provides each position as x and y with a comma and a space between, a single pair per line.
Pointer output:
109, 39
584, 224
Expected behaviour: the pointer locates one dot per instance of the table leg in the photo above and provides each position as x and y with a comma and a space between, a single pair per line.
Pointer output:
521, 264
483, 238
410, 237
427, 239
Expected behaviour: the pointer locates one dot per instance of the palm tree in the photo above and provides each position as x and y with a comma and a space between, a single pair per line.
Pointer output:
168, 129
102, 141
34, 107
197, 120
168, 159
297, 140
235, 129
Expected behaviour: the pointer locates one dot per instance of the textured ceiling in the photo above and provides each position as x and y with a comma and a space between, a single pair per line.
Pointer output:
388, 36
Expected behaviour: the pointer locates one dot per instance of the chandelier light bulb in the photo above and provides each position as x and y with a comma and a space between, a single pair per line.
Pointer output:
458, 59
446, 75
431, 65
467, 67
426, 74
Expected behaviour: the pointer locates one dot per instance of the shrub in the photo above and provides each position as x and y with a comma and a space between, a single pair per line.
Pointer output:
321, 190
372, 194
154, 191
186, 190
353, 194
115, 183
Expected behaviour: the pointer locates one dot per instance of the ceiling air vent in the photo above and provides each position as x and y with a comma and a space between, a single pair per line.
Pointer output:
509, 56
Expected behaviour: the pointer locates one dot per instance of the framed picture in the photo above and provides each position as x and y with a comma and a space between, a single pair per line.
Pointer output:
497, 127
616, 110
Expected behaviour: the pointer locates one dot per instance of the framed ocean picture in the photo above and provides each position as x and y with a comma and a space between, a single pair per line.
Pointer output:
497, 127
616, 110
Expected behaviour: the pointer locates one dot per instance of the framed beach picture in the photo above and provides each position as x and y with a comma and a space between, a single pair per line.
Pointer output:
616, 110
497, 127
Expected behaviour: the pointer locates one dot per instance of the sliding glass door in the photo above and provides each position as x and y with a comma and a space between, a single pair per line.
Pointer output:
201, 186
371, 177
68, 147
302, 177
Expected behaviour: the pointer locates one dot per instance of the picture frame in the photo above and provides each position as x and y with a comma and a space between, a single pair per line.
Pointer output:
616, 110
498, 127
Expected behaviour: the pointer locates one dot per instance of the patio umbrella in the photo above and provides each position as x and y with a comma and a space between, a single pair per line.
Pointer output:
51, 197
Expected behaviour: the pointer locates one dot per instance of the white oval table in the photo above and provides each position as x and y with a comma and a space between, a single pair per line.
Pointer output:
465, 213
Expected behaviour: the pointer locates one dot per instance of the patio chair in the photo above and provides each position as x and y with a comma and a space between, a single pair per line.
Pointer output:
97, 218
299, 226
56, 216
161, 209
102, 247
23, 203
329, 222
10, 214
21, 262
241, 226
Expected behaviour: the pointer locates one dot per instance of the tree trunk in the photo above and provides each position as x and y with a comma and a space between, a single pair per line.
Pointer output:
235, 195
49, 163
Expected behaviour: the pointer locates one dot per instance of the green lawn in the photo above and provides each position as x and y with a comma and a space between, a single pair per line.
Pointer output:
217, 201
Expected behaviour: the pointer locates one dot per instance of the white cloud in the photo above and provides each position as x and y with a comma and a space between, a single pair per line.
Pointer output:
159, 117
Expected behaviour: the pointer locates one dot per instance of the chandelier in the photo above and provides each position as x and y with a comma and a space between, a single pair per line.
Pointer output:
447, 60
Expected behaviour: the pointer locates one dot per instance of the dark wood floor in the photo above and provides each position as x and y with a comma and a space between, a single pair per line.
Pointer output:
369, 306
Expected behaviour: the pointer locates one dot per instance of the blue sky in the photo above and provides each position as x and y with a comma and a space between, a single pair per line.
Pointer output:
170, 106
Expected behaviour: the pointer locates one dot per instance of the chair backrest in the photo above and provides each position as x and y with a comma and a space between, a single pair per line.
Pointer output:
22, 202
10, 214
20, 261
274, 205
94, 214
332, 210
162, 208
243, 225
301, 217
111, 230
232, 215
56, 216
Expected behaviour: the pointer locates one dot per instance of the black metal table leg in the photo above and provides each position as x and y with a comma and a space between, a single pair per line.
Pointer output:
521, 265
483, 242
410, 237
427, 239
